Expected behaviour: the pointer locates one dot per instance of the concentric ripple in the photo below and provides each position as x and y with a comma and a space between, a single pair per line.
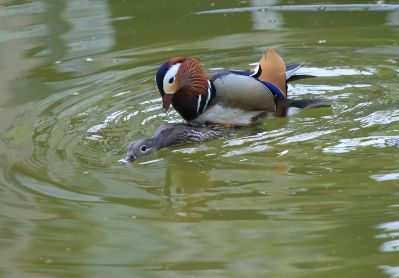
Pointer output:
79, 133
312, 194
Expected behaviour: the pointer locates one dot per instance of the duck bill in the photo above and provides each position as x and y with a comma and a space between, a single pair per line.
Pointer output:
166, 101
127, 159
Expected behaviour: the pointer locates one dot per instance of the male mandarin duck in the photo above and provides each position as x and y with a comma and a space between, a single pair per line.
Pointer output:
233, 98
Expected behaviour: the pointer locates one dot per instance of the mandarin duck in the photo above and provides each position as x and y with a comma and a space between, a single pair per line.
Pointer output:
179, 134
233, 97
171, 135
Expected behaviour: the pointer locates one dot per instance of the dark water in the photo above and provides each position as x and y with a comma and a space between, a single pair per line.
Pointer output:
315, 194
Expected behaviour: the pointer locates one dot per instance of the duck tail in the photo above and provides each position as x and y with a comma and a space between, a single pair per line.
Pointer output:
291, 75
309, 103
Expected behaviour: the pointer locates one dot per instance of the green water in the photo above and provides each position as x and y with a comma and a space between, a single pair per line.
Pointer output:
315, 194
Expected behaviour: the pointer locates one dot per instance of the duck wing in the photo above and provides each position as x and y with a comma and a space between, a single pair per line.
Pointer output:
291, 75
244, 92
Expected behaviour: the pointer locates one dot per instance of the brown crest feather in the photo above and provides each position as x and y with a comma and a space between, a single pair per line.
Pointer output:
273, 70
191, 78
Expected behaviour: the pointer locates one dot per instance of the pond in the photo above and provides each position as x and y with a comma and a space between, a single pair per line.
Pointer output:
309, 195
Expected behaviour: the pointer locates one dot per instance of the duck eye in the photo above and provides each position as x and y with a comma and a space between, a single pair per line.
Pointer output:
171, 80
143, 148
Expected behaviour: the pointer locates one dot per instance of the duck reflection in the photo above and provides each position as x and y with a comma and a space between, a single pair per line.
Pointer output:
180, 176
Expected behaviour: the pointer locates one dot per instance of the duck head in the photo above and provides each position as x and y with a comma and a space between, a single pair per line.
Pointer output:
180, 80
169, 135
140, 148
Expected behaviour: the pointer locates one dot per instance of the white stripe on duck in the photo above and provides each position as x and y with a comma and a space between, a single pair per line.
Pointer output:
234, 98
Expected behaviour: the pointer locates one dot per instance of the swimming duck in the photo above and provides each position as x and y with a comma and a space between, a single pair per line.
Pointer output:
171, 135
179, 134
233, 97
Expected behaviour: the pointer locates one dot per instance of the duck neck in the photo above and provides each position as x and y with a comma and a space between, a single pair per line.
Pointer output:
192, 101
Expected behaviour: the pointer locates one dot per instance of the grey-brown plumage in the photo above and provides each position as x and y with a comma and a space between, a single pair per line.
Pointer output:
171, 135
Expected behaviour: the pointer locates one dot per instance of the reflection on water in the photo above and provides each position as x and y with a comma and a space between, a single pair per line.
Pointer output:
311, 194
386, 177
265, 21
347, 145
390, 244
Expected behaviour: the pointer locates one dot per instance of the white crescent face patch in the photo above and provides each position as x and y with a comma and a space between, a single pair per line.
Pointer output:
170, 79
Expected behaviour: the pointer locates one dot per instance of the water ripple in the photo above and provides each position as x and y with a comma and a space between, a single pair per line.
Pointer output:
80, 132
391, 229
351, 144
386, 177
379, 118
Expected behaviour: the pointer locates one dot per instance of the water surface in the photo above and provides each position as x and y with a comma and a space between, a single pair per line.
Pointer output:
314, 194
